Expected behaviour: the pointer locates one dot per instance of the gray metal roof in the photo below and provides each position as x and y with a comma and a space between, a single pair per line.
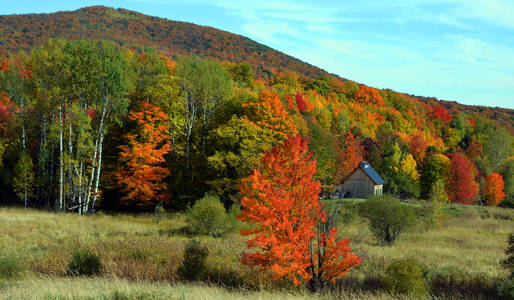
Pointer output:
368, 169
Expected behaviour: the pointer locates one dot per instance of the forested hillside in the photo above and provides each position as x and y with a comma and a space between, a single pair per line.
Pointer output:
136, 31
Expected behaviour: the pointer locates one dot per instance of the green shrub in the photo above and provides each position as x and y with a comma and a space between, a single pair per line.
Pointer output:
506, 289
454, 282
193, 265
388, 217
207, 216
159, 213
84, 263
508, 263
405, 276
10, 267
233, 212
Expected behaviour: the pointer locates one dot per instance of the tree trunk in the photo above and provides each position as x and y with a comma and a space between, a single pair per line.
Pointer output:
98, 168
61, 161
23, 143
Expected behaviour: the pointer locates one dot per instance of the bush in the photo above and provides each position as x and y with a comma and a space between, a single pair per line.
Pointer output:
84, 263
506, 289
207, 216
508, 263
452, 282
10, 267
388, 217
193, 265
233, 222
405, 276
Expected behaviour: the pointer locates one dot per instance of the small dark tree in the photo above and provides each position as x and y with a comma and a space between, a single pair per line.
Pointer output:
84, 263
388, 217
508, 263
193, 265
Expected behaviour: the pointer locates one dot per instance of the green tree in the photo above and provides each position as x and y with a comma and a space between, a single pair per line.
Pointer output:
388, 217
438, 198
204, 85
238, 145
23, 178
498, 147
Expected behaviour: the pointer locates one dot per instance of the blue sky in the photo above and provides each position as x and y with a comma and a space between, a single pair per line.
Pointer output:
460, 50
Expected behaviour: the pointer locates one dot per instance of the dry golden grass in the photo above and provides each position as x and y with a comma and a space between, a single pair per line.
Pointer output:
114, 288
142, 257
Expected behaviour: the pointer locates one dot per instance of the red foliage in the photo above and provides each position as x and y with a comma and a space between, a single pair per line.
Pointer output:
494, 193
440, 113
349, 156
6, 113
142, 176
91, 113
369, 95
462, 185
301, 103
418, 147
281, 199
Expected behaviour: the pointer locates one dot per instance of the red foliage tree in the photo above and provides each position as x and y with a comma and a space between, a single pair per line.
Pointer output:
281, 199
301, 103
6, 113
142, 175
494, 194
462, 185
351, 153
440, 113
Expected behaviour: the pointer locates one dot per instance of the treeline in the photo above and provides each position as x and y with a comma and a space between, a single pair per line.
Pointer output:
87, 124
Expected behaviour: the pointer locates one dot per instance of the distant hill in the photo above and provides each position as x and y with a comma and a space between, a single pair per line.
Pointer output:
135, 30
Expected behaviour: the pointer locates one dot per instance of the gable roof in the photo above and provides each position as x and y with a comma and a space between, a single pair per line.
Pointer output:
368, 169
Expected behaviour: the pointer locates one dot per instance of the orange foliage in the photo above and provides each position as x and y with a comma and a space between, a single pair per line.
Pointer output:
281, 199
349, 156
142, 176
494, 193
271, 114
369, 95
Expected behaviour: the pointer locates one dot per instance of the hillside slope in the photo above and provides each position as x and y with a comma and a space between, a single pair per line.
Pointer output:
133, 29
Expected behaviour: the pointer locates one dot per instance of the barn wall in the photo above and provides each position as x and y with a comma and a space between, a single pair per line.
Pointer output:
359, 185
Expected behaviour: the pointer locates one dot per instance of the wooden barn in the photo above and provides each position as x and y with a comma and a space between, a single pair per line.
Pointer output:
363, 182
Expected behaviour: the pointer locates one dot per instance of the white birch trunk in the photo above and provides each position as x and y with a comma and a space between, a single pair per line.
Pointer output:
61, 161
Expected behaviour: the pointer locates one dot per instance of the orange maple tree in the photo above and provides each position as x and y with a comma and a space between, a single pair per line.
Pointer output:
281, 199
463, 188
494, 194
369, 95
142, 174
350, 155
268, 112
418, 147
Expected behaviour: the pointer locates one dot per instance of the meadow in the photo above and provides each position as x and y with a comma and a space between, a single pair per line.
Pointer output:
140, 257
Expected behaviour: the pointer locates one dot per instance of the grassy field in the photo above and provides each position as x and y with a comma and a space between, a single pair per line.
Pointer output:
140, 257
